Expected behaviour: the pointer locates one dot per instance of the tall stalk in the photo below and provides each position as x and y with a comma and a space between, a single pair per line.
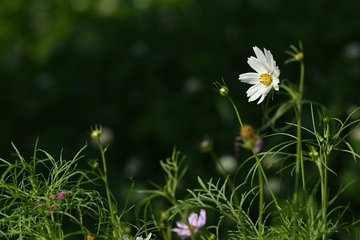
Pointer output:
106, 182
298, 55
95, 134
321, 164
299, 166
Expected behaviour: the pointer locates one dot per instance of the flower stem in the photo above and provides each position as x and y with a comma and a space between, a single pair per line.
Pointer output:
299, 165
323, 181
299, 150
261, 194
236, 111
108, 194
263, 180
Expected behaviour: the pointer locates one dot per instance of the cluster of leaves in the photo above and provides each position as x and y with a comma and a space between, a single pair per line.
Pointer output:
38, 195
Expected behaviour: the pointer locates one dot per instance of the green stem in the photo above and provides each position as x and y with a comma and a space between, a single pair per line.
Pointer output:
261, 195
301, 90
261, 186
299, 165
48, 228
108, 194
324, 198
236, 111
262, 179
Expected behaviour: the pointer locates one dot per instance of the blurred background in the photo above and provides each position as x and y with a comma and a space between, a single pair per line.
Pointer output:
144, 69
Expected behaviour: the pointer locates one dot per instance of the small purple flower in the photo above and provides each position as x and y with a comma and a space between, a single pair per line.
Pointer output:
61, 195
237, 140
258, 145
195, 222
54, 208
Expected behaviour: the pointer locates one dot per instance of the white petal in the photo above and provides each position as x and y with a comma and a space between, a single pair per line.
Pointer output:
269, 57
251, 78
266, 90
255, 92
252, 90
276, 71
273, 69
275, 83
257, 65
255, 96
261, 99
260, 55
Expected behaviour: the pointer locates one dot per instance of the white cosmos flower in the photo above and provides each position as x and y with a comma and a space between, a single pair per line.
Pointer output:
265, 78
141, 238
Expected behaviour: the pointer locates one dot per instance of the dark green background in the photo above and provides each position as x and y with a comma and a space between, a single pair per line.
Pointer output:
144, 69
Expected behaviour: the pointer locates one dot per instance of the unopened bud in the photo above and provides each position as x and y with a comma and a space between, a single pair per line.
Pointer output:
165, 216
247, 132
95, 134
90, 236
224, 91
206, 145
299, 56
127, 229
93, 163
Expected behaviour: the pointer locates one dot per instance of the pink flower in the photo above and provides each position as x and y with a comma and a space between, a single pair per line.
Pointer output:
61, 195
54, 208
195, 222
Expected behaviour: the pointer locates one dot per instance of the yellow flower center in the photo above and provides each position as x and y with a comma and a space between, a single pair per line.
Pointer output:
192, 228
266, 79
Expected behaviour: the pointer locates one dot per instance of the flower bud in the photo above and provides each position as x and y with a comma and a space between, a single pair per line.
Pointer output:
206, 145
299, 56
165, 215
90, 236
224, 91
61, 195
96, 132
247, 132
313, 153
296, 53
127, 229
248, 139
93, 163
